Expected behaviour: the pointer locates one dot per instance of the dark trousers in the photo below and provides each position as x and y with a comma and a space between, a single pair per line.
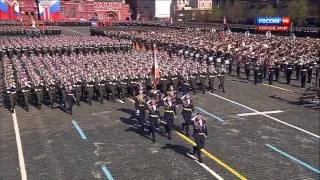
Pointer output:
200, 142
248, 73
152, 127
168, 116
270, 77
238, 71
288, 74
303, 81
69, 101
187, 121
26, 99
141, 117
221, 85
211, 83
52, 96
39, 96
277, 72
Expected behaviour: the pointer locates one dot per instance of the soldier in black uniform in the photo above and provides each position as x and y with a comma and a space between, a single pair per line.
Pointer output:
132, 86
310, 69
187, 111
101, 87
51, 91
140, 104
277, 70
69, 98
25, 89
298, 68
153, 117
221, 73
238, 68
122, 87
12, 95
111, 88
90, 90
38, 89
77, 91
247, 69
169, 114
200, 133
289, 72
211, 77
257, 73
303, 75
270, 74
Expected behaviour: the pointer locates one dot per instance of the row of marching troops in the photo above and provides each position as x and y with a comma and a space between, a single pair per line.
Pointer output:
265, 58
28, 31
81, 76
61, 45
148, 105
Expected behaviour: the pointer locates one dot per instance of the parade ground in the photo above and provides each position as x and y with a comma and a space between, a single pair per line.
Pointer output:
255, 132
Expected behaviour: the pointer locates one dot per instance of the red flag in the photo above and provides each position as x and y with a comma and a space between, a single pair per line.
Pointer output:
155, 70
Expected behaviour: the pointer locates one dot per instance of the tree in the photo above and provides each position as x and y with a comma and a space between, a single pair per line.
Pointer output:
298, 11
268, 11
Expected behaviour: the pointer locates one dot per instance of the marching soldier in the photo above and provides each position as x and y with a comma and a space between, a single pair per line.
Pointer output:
140, 104
153, 117
169, 115
26, 94
202, 77
164, 82
257, 73
270, 74
12, 95
101, 89
51, 90
310, 69
173, 97
121, 87
38, 88
238, 67
289, 72
112, 82
69, 98
247, 69
77, 91
303, 75
277, 70
187, 111
200, 133
221, 73
211, 76
90, 90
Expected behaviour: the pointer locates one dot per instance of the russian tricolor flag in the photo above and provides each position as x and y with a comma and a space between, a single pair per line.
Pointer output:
49, 9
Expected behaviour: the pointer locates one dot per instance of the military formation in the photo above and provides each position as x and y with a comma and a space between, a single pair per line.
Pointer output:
28, 31
257, 55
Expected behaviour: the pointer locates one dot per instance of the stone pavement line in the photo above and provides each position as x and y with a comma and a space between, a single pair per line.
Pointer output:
19, 146
210, 114
265, 115
75, 124
106, 172
234, 172
217, 176
259, 113
74, 31
283, 89
293, 158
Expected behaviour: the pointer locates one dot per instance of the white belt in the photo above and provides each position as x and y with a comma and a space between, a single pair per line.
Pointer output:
153, 115
212, 76
89, 85
174, 78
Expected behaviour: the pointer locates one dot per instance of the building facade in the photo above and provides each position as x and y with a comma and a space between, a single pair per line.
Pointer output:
104, 10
